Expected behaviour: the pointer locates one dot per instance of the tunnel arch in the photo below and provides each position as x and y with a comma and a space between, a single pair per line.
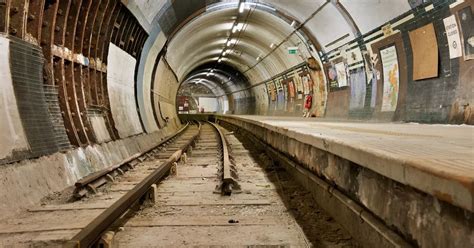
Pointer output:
86, 84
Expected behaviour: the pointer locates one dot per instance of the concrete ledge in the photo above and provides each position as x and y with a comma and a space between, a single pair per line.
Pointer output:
435, 159
423, 218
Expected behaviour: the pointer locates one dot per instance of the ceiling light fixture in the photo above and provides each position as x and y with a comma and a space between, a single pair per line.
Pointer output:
242, 7
237, 27
272, 45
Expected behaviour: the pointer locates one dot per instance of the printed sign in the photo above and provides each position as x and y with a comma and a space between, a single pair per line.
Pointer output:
454, 41
391, 79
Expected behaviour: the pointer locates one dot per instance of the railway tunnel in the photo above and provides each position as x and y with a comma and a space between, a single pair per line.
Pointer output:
305, 123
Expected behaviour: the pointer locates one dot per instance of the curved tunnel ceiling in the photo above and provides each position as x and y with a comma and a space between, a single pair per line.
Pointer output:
205, 38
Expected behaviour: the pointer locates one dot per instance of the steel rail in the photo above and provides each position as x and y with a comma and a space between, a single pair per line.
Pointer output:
98, 178
227, 180
93, 231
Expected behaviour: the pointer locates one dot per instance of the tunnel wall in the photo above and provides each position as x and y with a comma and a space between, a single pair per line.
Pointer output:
164, 90
350, 82
68, 99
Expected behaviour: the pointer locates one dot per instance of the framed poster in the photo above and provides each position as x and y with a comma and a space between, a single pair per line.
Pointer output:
341, 74
466, 21
391, 78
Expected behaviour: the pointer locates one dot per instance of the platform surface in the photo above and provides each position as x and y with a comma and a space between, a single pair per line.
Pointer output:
436, 159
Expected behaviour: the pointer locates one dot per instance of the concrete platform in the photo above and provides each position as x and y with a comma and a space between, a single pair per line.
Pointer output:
435, 159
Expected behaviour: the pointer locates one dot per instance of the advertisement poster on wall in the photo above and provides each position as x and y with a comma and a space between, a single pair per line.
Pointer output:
299, 86
285, 93
280, 94
271, 90
291, 95
358, 88
391, 79
291, 88
332, 76
466, 20
341, 74
285, 88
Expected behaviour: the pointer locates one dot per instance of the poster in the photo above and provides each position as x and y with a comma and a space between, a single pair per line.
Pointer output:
358, 89
285, 88
332, 75
466, 21
425, 52
299, 86
454, 41
372, 75
278, 85
271, 90
341, 74
391, 79
291, 88
280, 95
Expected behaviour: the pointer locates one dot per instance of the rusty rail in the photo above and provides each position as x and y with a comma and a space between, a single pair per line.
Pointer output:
93, 231
228, 181
97, 179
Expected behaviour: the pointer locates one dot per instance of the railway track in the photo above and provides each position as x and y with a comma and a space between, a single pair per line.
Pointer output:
201, 186
74, 220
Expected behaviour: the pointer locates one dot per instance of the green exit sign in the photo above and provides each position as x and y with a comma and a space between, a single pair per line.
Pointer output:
292, 50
